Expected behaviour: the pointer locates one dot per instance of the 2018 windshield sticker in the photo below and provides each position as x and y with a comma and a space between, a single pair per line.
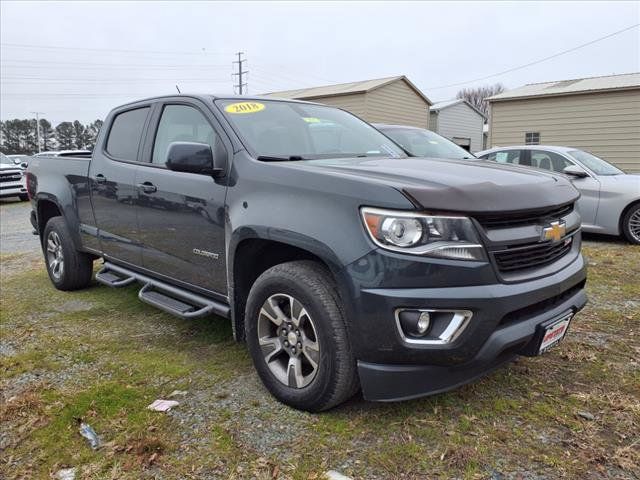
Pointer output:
244, 107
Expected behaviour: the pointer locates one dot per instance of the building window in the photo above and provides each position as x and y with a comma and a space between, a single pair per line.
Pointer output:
532, 138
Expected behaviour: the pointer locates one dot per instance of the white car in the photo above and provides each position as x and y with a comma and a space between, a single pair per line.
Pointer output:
21, 160
12, 179
610, 198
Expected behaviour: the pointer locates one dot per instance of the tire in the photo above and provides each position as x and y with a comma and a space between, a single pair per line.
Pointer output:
76, 267
631, 224
319, 312
24, 197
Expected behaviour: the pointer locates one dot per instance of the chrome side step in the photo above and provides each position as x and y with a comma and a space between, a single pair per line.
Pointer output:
168, 298
111, 279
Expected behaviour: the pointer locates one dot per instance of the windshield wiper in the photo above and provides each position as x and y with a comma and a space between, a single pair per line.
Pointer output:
290, 158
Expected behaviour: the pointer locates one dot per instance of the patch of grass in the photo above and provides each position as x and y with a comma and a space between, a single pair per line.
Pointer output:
115, 411
104, 356
28, 361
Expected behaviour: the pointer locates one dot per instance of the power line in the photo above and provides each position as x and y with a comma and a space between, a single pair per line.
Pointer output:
98, 80
309, 76
536, 61
115, 50
85, 65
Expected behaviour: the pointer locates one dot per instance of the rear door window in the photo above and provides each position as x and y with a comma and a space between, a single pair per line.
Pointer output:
126, 133
507, 156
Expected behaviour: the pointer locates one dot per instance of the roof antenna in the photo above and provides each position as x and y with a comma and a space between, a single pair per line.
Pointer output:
177, 88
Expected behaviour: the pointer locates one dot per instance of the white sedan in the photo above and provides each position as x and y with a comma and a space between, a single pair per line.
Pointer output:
610, 198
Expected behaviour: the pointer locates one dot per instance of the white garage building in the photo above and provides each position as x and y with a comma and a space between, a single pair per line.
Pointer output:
460, 122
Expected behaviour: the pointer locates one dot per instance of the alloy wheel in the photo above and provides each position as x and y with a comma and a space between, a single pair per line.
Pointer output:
634, 225
288, 340
55, 257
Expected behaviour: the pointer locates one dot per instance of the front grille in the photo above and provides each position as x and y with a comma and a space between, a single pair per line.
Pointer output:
10, 177
532, 217
531, 255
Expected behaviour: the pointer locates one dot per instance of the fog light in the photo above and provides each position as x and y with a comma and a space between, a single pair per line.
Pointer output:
423, 323
414, 323
431, 326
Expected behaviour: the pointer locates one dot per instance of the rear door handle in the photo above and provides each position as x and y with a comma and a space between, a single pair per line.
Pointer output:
148, 187
100, 178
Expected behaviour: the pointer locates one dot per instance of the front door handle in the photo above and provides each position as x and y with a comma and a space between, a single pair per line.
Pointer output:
148, 187
100, 178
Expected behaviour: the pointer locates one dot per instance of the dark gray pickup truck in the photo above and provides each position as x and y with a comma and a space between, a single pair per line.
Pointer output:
343, 262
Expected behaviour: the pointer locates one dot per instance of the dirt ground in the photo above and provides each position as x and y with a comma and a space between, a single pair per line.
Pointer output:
101, 356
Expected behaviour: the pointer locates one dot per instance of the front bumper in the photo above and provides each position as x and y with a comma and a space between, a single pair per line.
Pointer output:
504, 322
12, 190
382, 382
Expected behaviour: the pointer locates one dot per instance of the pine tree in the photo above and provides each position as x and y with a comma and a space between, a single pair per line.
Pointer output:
65, 135
47, 135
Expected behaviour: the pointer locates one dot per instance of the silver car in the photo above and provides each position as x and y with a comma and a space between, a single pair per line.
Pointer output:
610, 198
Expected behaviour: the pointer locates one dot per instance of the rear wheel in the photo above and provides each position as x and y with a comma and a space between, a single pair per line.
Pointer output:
298, 339
68, 268
631, 224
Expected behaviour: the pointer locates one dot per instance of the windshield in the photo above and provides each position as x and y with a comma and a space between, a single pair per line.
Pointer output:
425, 143
595, 164
303, 131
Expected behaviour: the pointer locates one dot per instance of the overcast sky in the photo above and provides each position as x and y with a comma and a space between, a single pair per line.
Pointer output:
110, 53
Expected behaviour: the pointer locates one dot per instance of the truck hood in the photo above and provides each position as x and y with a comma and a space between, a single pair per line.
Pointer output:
458, 185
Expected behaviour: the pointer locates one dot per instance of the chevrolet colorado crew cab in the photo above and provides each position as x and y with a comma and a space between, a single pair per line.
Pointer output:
341, 260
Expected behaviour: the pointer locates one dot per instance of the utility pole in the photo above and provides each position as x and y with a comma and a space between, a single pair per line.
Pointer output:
37, 114
241, 86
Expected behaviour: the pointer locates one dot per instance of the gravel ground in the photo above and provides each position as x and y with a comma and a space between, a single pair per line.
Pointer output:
101, 355
15, 229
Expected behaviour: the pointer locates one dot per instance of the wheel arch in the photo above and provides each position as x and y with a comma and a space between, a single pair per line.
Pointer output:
631, 204
47, 207
251, 256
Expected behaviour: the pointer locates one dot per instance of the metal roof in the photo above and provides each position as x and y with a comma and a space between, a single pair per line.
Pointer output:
436, 107
571, 87
346, 89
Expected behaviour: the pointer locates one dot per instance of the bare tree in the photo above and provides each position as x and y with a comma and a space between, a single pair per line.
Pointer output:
477, 96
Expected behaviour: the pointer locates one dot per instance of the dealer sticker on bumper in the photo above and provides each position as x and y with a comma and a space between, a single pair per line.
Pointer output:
554, 333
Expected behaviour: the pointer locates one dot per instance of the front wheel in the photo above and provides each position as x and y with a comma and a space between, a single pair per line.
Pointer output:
631, 224
23, 197
68, 268
297, 337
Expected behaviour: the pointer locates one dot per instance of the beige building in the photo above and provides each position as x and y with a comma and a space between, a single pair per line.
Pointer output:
393, 100
599, 114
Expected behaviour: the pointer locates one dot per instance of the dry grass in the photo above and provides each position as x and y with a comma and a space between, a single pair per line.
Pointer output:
102, 356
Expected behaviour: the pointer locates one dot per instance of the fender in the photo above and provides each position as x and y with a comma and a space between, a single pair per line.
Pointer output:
68, 213
286, 238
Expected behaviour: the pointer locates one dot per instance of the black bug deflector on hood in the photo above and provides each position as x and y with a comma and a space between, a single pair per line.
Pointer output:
459, 185
486, 197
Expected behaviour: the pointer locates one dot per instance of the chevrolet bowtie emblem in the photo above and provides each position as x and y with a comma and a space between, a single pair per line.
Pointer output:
555, 231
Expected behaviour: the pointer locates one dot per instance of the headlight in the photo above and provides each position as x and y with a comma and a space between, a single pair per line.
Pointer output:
419, 234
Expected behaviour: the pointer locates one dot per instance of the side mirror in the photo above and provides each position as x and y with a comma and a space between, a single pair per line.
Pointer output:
194, 157
24, 164
575, 171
